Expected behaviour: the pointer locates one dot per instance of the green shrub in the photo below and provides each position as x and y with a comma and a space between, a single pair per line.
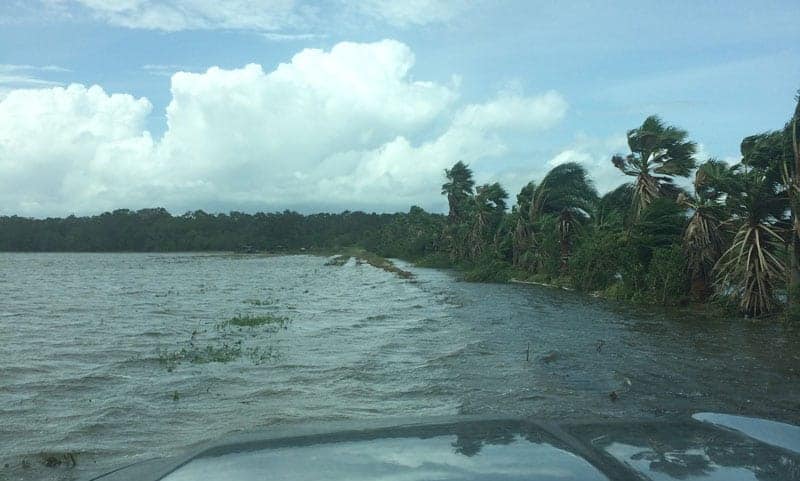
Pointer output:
492, 270
667, 281
596, 262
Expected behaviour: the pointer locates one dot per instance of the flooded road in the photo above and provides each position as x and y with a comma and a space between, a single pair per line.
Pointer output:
106, 359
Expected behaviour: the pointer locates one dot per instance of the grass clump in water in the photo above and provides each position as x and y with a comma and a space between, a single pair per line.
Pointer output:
248, 320
234, 340
200, 355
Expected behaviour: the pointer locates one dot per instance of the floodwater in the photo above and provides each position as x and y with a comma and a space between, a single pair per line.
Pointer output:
106, 359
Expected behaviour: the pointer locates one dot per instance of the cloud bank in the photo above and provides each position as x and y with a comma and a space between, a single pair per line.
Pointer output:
329, 130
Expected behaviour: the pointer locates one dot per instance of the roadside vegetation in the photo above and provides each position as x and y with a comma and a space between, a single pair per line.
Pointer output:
680, 230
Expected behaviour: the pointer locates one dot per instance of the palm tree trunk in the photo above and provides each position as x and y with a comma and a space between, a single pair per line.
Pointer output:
700, 289
793, 296
564, 254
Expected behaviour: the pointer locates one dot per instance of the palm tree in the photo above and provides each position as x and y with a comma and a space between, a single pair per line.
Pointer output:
488, 210
751, 269
458, 190
568, 193
702, 239
521, 241
774, 152
659, 152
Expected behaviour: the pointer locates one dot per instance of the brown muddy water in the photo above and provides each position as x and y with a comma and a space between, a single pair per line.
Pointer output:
106, 359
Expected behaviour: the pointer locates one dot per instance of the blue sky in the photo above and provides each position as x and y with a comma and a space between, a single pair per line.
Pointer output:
512, 87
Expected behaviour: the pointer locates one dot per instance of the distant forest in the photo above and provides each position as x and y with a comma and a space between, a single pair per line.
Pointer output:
151, 230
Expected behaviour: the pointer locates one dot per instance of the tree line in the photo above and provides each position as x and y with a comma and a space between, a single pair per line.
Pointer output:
150, 230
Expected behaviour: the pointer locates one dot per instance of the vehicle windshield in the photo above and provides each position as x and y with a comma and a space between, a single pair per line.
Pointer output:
251, 215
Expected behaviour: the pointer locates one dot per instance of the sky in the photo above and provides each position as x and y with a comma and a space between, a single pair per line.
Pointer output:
266, 105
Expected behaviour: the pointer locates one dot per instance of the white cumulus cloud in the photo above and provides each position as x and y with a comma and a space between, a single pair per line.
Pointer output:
63, 147
344, 128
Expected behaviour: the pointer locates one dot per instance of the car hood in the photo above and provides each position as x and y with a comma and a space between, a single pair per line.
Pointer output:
708, 446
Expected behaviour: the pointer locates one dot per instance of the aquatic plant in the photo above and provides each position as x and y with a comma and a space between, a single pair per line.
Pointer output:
247, 320
200, 355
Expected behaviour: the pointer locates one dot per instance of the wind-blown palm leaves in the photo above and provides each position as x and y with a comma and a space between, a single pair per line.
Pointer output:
458, 190
568, 193
751, 269
565, 187
488, 210
659, 153
613, 206
702, 239
772, 153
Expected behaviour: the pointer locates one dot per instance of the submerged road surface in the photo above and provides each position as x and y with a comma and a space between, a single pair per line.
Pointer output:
106, 359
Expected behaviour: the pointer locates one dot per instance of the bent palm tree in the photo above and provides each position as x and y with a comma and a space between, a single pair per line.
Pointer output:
659, 153
458, 190
751, 269
568, 193
565, 186
775, 152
